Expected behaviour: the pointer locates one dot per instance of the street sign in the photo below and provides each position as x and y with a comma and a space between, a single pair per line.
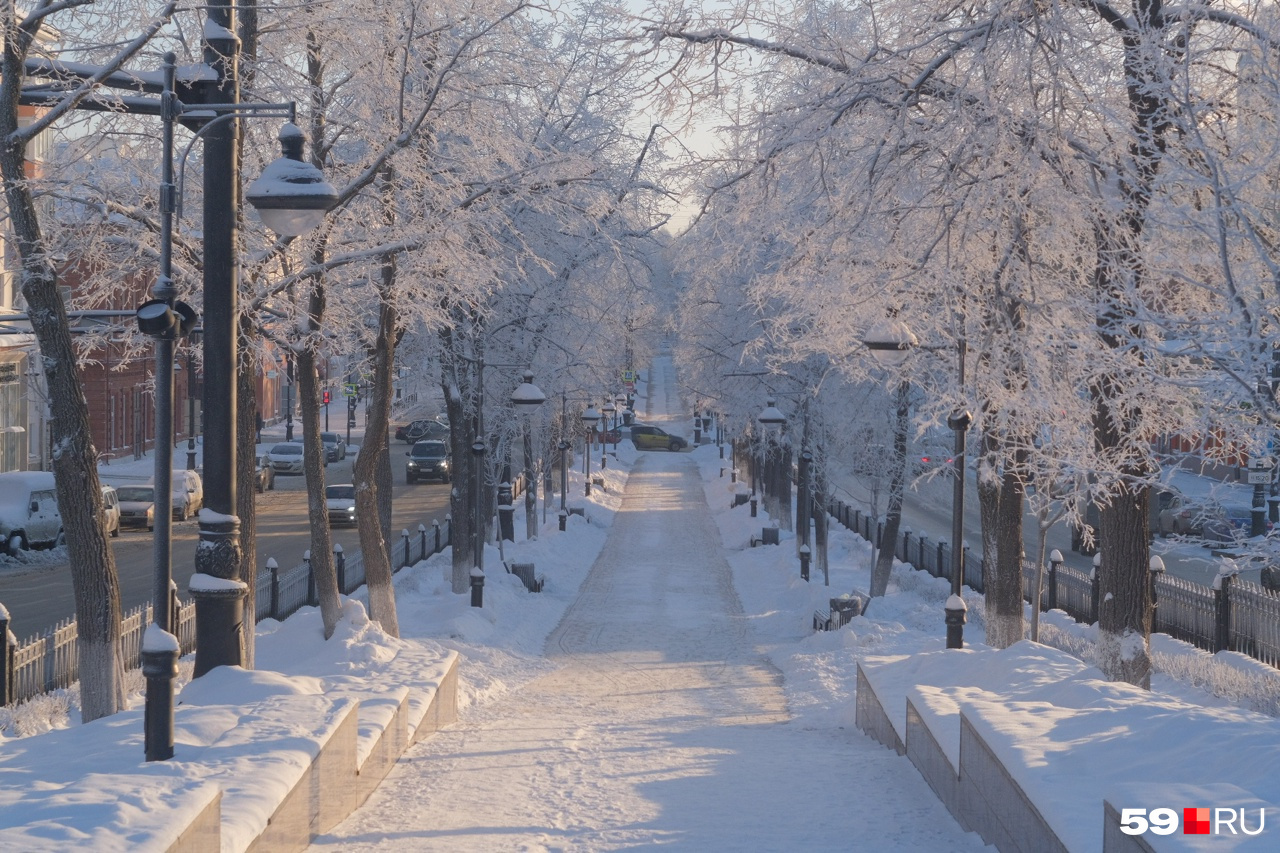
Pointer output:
628, 376
1260, 477
349, 389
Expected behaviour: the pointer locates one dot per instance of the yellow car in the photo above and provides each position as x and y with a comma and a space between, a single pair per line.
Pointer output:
653, 438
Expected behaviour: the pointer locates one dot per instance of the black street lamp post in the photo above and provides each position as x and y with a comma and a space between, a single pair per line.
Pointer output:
525, 398
214, 115
890, 342
589, 418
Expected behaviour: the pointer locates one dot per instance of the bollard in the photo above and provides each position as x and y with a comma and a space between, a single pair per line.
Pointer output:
804, 562
340, 567
404, 537
160, 668
506, 512
721, 470
274, 568
753, 505
1155, 568
1221, 613
422, 539
435, 526
6, 659
1095, 588
733, 475
1055, 563
312, 598
564, 519
175, 608
722, 451
956, 611
477, 588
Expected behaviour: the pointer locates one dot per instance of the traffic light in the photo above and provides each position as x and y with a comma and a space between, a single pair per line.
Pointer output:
326, 398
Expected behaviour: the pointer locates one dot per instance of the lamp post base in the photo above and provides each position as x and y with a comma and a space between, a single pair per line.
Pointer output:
219, 614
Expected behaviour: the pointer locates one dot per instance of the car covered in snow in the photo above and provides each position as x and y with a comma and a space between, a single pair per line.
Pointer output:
29, 515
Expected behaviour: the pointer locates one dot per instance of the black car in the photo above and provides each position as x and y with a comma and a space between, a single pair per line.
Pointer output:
423, 429
428, 460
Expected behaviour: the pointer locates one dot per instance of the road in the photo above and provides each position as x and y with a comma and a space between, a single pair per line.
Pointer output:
38, 599
927, 510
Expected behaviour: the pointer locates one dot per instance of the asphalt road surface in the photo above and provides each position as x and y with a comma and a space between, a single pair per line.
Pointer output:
40, 598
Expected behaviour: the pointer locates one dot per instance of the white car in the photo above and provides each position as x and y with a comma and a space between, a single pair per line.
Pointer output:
341, 502
110, 510
286, 457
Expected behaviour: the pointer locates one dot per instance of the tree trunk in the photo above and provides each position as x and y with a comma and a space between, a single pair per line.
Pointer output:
1005, 623
370, 461
462, 472
247, 479
93, 570
313, 466
897, 483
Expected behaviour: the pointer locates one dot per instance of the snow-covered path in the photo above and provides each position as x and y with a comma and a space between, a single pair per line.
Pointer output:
661, 724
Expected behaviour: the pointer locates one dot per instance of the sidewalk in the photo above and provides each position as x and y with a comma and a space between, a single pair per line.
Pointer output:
659, 722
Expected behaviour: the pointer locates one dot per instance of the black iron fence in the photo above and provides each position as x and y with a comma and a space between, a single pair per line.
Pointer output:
51, 661
1240, 616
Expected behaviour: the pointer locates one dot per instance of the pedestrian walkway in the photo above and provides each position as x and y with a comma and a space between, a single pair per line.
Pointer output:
661, 724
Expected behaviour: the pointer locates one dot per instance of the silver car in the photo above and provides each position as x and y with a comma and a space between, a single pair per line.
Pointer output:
286, 457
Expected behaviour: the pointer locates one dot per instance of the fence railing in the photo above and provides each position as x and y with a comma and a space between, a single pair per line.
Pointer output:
51, 661
1241, 616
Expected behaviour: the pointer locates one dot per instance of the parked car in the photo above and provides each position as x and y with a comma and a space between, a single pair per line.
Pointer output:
187, 494
341, 502
421, 429
286, 457
335, 446
428, 460
1184, 516
137, 506
1228, 525
29, 515
110, 511
266, 474
646, 437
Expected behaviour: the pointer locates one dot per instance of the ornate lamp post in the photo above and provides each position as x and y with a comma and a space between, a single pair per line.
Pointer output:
216, 587
589, 418
526, 399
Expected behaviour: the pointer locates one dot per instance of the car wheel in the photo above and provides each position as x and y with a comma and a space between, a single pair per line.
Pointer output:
16, 544
115, 532
150, 527
60, 539
409, 478
445, 478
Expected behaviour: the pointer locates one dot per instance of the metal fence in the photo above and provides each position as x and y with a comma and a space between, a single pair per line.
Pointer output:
51, 661
1240, 616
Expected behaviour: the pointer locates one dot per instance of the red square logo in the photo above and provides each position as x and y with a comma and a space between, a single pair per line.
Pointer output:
1195, 821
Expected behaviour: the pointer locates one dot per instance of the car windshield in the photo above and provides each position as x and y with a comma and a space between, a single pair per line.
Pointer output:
287, 450
136, 493
329, 437
340, 492
429, 449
